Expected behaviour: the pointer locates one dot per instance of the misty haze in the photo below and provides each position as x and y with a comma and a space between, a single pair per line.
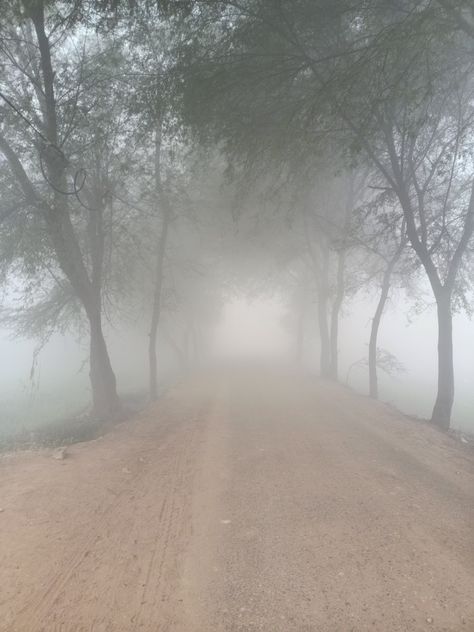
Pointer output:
236, 336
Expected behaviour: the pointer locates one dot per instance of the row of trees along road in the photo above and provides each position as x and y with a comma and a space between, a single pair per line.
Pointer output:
94, 173
389, 84
353, 120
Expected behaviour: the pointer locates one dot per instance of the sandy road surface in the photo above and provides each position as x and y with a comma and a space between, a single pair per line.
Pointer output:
255, 502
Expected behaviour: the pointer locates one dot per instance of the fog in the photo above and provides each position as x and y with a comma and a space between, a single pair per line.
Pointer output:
236, 302
212, 212
250, 330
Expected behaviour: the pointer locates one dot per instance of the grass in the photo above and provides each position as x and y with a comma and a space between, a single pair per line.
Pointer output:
68, 430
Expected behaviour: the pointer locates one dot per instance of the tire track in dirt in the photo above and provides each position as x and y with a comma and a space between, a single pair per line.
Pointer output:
119, 569
46, 599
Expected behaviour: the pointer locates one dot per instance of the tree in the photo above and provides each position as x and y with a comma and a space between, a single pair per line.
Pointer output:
380, 232
41, 118
334, 223
420, 149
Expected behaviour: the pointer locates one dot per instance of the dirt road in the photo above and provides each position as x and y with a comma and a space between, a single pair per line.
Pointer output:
257, 502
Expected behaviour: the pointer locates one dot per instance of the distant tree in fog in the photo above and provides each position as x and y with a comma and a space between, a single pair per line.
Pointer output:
328, 228
380, 232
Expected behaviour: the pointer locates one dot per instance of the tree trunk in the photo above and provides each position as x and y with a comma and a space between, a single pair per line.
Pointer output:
325, 353
320, 262
106, 403
441, 415
163, 204
373, 379
156, 308
323, 298
374, 331
336, 308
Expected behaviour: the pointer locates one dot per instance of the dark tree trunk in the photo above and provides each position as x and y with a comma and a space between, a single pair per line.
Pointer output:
105, 400
441, 415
